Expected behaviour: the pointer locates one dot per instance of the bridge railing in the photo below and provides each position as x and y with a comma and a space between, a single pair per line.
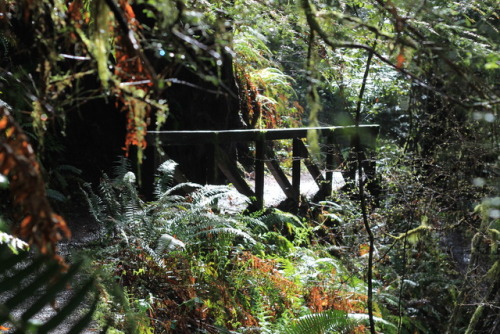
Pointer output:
334, 136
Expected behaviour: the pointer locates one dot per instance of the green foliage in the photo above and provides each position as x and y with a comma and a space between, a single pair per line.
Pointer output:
14, 244
322, 323
196, 257
28, 284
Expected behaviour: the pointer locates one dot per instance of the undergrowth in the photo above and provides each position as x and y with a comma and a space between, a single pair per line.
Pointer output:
195, 261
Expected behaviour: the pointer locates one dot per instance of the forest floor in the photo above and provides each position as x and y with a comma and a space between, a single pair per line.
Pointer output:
84, 231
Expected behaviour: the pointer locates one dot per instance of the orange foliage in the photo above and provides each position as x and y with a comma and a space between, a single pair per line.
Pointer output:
39, 225
400, 59
131, 71
320, 299
268, 267
250, 105
75, 12
360, 329
364, 249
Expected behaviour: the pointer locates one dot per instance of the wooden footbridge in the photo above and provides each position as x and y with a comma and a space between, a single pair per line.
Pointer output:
335, 139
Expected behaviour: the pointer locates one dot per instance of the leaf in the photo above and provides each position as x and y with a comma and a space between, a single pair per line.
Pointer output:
400, 60
13, 243
364, 249
364, 317
331, 321
3, 122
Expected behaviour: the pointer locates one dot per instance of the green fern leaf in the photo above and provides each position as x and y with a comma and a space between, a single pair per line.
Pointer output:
331, 321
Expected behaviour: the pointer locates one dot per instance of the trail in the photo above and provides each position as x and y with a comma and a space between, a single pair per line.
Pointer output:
84, 230
273, 195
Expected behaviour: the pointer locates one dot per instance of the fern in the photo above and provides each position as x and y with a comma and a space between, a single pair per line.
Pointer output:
331, 321
165, 177
199, 227
334, 321
209, 216
121, 166
251, 47
117, 205
96, 208
220, 232
168, 243
361, 317
14, 244
278, 220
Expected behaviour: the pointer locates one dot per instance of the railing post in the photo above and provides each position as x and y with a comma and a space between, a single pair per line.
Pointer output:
329, 163
259, 172
297, 156
368, 139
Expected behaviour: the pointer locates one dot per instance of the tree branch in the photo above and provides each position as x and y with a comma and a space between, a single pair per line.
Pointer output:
314, 25
359, 156
132, 41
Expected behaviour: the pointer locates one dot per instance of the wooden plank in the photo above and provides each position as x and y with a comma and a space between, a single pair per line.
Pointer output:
232, 173
193, 137
297, 154
274, 167
259, 173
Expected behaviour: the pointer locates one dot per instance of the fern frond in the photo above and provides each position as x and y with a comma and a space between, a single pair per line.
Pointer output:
223, 199
219, 232
132, 211
155, 254
56, 195
168, 205
331, 321
250, 45
209, 193
278, 219
14, 244
108, 196
95, 204
168, 243
121, 167
254, 224
180, 187
362, 317
165, 177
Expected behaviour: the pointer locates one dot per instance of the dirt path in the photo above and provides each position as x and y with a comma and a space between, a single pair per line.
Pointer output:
84, 231
273, 195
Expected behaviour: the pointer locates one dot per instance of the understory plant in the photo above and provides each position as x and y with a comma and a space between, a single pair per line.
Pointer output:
195, 260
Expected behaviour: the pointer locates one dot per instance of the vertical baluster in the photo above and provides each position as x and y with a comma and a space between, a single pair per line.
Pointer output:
297, 156
259, 173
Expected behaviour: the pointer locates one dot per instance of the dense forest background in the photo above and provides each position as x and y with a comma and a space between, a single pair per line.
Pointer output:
413, 251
